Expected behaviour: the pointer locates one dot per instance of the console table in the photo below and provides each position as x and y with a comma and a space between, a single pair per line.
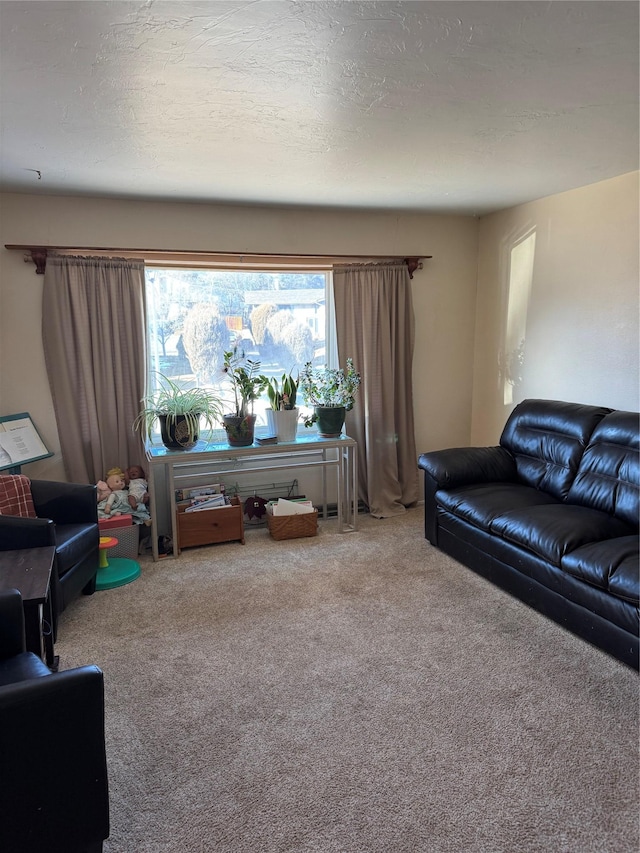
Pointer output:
29, 571
171, 469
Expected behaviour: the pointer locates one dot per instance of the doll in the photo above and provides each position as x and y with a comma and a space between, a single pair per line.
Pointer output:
103, 493
136, 481
117, 471
118, 501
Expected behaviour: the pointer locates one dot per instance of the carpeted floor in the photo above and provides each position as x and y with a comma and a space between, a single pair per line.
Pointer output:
354, 693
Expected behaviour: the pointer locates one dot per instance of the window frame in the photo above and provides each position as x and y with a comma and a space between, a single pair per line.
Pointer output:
331, 348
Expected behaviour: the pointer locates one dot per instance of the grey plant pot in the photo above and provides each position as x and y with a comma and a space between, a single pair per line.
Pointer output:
330, 420
240, 430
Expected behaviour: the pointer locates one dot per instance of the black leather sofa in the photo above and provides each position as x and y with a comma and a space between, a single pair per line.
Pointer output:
68, 519
550, 515
54, 794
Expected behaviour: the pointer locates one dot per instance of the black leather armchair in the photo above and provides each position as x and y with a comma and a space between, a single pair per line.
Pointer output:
68, 519
53, 785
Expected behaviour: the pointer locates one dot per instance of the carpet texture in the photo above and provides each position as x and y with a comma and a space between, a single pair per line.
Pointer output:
352, 693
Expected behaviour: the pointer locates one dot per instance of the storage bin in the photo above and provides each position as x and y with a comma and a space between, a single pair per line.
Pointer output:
125, 531
209, 526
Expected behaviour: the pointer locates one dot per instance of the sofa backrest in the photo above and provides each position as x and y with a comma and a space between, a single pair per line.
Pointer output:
609, 472
547, 439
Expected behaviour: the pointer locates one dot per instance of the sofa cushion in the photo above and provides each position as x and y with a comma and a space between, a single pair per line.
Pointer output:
553, 531
547, 439
15, 496
480, 504
613, 565
73, 543
608, 478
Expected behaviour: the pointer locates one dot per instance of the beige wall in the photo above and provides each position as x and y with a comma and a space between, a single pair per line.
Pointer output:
444, 291
581, 326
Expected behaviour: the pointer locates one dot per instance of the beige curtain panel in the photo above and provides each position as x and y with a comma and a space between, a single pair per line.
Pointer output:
375, 327
93, 330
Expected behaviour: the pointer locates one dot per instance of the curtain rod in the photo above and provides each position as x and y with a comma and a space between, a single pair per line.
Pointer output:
38, 255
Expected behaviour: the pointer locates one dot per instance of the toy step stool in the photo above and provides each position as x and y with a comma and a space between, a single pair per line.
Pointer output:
116, 571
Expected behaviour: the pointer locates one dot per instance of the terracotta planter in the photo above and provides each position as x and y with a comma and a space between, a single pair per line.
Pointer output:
239, 430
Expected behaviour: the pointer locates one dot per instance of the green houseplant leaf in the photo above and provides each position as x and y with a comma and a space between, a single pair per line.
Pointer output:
329, 387
283, 394
246, 381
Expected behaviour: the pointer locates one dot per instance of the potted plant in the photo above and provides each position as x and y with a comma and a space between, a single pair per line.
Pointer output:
247, 384
282, 416
331, 392
179, 411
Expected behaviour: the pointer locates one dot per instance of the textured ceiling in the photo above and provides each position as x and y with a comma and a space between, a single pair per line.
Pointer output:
464, 107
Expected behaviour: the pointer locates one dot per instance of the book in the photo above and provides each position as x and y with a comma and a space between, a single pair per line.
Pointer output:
20, 442
266, 439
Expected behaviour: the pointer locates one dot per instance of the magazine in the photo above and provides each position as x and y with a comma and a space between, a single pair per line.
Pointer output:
199, 491
213, 502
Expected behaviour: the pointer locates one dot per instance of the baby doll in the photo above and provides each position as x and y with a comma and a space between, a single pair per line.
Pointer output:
118, 501
136, 481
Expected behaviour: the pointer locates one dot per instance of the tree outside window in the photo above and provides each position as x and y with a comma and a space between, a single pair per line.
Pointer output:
194, 316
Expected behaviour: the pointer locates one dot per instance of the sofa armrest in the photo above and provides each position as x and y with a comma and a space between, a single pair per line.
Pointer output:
12, 638
53, 788
461, 466
17, 532
65, 503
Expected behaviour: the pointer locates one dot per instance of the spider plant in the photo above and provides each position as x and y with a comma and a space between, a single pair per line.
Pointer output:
179, 411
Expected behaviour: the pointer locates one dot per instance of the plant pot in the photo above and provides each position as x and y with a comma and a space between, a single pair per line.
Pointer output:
283, 424
177, 435
239, 429
330, 420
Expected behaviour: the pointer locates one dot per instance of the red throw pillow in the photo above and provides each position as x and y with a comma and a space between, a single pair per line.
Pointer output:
15, 496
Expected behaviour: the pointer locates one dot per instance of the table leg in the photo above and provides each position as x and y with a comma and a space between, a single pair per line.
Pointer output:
38, 630
325, 512
340, 485
50, 658
33, 628
153, 503
349, 471
172, 510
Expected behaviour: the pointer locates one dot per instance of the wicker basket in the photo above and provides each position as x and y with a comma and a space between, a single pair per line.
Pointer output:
293, 526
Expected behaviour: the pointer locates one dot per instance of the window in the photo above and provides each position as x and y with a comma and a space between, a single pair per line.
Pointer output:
519, 292
281, 319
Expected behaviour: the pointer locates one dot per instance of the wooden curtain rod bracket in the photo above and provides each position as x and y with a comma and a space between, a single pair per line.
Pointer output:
413, 264
39, 257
